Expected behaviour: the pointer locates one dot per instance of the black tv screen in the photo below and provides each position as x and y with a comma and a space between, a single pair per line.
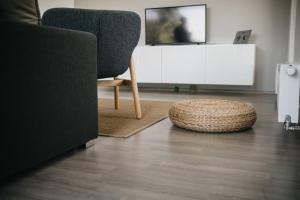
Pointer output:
176, 25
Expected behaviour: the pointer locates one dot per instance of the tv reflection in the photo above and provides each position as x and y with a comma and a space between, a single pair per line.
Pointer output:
181, 33
167, 26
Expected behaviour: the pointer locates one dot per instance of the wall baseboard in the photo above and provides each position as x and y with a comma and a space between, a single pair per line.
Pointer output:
193, 90
199, 91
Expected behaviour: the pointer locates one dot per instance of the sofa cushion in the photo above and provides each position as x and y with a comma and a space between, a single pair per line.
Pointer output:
20, 10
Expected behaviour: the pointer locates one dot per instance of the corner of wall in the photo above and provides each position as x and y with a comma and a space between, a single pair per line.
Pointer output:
46, 4
297, 39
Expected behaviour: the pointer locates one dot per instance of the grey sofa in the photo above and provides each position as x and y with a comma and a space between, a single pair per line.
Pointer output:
49, 94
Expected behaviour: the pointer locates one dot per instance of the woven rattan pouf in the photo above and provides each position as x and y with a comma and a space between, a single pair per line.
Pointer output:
213, 116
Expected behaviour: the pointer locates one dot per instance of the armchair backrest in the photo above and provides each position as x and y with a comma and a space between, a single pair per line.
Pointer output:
117, 34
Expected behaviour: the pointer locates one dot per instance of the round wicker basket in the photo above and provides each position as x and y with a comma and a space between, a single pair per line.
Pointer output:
212, 115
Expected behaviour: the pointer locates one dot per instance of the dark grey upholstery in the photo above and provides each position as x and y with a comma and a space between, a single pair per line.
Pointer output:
49, 101
117, 32
20, 10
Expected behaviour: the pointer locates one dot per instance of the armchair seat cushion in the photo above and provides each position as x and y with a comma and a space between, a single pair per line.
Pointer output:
20, 10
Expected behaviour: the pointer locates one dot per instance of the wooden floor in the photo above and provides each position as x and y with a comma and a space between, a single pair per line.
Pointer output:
165, 162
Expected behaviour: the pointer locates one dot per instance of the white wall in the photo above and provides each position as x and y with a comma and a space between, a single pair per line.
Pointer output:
269, 20
297, 44
46, 4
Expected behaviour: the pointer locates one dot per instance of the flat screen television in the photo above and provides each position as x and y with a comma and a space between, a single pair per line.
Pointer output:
176, 25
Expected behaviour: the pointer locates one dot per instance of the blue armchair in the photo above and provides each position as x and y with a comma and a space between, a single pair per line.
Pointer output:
117, 35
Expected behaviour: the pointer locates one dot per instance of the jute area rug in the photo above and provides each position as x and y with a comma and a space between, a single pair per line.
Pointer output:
122, 123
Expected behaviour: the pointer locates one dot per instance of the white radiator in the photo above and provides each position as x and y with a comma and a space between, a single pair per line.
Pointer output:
288, 90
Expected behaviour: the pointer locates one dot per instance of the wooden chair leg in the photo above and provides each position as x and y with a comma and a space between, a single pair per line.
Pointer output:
135, 92
116, 96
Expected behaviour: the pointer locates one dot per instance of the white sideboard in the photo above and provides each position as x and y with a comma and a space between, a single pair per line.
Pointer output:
226, 64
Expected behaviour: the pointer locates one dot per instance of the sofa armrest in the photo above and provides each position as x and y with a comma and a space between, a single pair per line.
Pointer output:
49, 94
117, 32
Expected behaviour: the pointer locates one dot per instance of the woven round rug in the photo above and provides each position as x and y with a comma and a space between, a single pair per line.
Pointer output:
213, 115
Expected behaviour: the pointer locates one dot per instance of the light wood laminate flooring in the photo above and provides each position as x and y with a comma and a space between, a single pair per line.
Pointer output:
165, 162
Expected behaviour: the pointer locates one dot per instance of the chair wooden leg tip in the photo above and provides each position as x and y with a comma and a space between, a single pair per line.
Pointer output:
139, 116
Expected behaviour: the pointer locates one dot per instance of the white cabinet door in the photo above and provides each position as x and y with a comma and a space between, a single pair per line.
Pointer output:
183, 64
230, 64
147, 62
